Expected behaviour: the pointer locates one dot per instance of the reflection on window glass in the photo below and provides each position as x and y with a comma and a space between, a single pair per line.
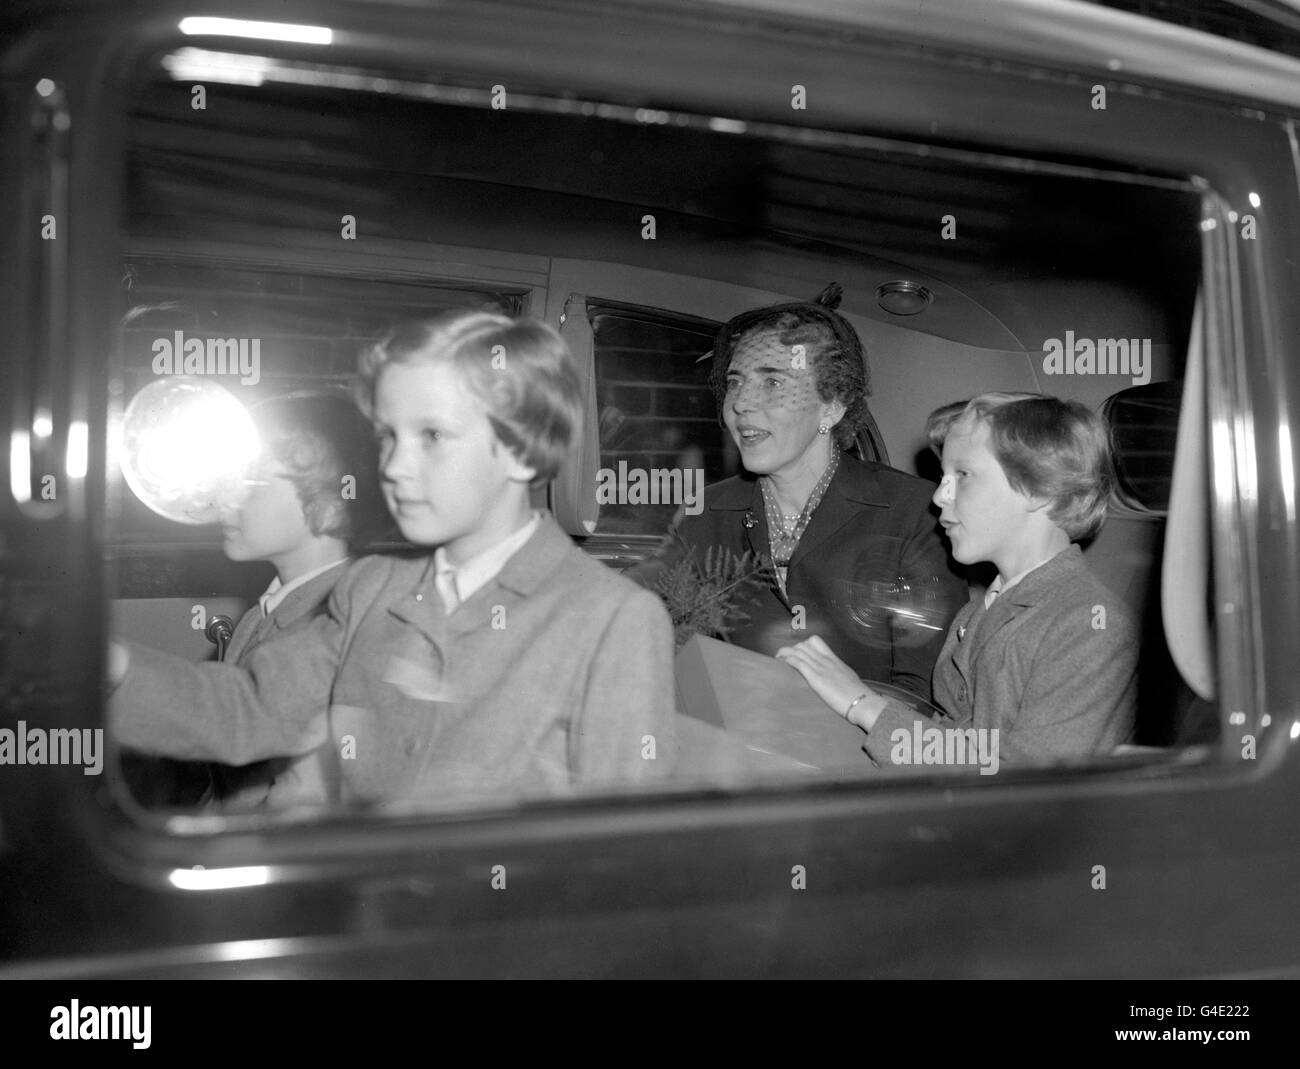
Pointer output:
388, 709
1144, 425
260, 332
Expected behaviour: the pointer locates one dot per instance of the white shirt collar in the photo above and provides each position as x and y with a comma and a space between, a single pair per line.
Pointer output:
1000, 586
277, 591
478, 571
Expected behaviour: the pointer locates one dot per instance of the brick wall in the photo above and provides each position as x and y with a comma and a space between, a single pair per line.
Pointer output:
656, 408
311, 328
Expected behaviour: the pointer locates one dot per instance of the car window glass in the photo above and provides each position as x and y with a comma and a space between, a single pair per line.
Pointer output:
258, 221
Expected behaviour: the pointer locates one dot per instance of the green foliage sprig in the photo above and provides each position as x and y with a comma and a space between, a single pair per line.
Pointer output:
703, 596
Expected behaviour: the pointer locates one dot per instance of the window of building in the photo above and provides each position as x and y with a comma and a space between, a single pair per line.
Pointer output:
658, 422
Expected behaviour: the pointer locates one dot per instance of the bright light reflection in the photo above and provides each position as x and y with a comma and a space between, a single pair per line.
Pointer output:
78, 449
1221, 455
1295, 729
201, 879
1254, 200
42, 423
1287, 461
187, 447
20, 466
263, 31
247, 949
727, 126
200, 65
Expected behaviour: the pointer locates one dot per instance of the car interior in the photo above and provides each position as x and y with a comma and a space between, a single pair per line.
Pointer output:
312, 206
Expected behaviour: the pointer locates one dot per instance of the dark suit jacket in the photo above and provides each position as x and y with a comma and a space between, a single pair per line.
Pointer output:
871, 572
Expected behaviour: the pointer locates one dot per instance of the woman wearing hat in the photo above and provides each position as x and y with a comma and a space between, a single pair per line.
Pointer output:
852, 547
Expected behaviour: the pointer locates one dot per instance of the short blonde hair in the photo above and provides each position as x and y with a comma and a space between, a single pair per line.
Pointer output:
1047, 447
520, 369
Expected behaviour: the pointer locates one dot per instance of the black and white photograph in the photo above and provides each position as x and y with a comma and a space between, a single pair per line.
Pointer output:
648, 489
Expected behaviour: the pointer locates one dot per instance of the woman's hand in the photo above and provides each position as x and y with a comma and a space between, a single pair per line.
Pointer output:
834, 681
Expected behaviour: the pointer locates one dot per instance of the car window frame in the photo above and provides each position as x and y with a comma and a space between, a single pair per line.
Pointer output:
1229, 391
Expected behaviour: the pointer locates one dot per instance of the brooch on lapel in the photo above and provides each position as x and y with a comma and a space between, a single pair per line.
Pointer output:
749, 521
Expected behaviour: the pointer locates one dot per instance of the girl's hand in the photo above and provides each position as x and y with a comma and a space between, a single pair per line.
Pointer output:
834, 681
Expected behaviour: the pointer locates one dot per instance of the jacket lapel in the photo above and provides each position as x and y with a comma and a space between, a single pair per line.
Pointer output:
522, 574
247, 632
744, 499
255, 628
422, 608
963, 651
1004, 609
519, 577
1032, 590
306, 599
853, 489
